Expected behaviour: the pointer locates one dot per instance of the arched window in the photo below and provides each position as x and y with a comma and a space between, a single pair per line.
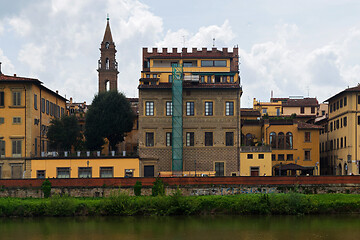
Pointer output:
289, 140
281, 140
272, 140
107, 63
249, 139
107, 85
345, 169
339, 169
107, 45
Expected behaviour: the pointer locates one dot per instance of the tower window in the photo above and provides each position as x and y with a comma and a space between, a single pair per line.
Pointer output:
107, 63
107, 45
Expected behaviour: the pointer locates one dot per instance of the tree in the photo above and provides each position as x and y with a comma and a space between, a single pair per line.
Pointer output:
64, 133
110, 116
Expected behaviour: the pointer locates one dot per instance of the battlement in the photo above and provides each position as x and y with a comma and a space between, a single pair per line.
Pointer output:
194, 53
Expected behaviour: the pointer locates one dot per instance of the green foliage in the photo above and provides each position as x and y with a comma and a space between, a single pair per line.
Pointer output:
64, 133
158, 188
110, 116
137, 188
46, 188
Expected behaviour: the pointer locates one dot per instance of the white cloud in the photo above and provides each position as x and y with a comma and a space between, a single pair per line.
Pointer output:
203, 38
20, 24
34, 56
7, 67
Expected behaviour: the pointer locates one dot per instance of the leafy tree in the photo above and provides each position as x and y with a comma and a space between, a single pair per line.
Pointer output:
64, 133
110, 116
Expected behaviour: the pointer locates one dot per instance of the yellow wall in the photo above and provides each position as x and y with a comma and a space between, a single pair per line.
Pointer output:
265, 167
271, 107
28, 129
51, 165
299, 145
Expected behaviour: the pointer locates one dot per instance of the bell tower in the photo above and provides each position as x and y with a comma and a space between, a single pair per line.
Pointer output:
108, 67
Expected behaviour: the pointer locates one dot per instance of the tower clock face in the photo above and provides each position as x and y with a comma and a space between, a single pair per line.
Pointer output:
107, 44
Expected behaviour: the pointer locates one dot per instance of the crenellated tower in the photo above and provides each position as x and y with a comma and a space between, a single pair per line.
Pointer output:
108, 67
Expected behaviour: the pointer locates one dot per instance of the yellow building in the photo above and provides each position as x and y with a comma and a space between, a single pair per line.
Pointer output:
340, 147
295, 147
26, 109
255, 161
84, 167
272, 108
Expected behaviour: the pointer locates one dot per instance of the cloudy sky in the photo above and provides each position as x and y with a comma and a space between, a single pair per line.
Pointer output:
307, 47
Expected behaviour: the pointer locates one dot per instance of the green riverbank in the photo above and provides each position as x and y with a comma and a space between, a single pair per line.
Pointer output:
123, 205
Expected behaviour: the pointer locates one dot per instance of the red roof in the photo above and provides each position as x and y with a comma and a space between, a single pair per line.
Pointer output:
301, 102
353, 89
302, 125
15, 78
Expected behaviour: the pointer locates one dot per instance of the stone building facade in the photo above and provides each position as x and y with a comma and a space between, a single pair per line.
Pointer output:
210, 108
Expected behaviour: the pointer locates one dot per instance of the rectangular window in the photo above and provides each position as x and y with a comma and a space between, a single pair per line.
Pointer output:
331, 127
307, 155
337, 105
154, 76
219, 169
278, 112
106, 172
331, 108
207, 63
345, 121
62, 111
358, 99
254, 171
289, 157
337, 124
281, 157
149, 141
261, 156
2, 148
168, 139
209, 80
16, 120
2, 120
302, 110
341, 103
312, 109
149, 108
16, 148
273, 157
345, 101
147, 75
229, 108
208, 108
16, 171
307, 136
40, 174
358, 120
345, 142
129, 173
16, 98
169, 109
47, 107
229, 139
35, 102
264, 111
189, 139
36, 147
187, 64
51, 109
42, 105
341, 143
2, 99
231, 79
63, 172
170, 79
85, 172
190, 108
208, 138
202, 79
219, 63
249, 156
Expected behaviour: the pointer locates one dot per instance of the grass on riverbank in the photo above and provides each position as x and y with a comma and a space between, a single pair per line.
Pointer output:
123, 205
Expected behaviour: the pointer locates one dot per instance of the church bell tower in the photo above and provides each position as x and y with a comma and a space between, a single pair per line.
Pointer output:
108, 67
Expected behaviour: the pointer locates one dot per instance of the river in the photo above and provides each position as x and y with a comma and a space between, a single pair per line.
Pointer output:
341, 227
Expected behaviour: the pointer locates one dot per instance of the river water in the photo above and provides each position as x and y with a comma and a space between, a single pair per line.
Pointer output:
189, 228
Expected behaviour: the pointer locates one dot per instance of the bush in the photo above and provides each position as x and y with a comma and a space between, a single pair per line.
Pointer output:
46, 188
137, 188
158, 188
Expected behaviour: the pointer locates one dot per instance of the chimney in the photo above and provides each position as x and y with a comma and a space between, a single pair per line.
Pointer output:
14, 74
164, 50
57, 92
71, 100
174, 50
154, 50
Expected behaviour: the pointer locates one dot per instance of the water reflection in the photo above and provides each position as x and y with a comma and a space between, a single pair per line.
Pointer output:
189, 228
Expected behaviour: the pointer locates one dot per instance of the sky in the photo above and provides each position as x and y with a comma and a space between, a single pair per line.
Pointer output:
291, 48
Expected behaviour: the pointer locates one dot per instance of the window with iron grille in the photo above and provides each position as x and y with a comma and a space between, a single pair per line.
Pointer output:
106, 172
189, 108
189, 139
149, 141
219, 169
208, 138
169, 109
229, 139
307, 155
85, 172
208, 108
149, 108
63, 172
229, 108
168, 139
40, 174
